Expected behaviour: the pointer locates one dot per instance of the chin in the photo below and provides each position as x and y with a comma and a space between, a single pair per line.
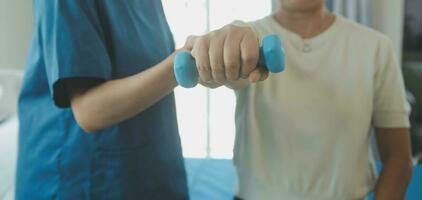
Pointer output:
302, 5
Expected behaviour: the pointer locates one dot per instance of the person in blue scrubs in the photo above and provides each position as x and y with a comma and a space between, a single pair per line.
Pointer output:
97, 111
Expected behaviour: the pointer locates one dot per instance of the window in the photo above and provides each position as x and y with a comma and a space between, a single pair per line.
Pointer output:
206, 117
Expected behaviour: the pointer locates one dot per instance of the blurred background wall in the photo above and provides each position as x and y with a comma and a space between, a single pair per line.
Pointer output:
213, 133
15, 32
388, 17
16, 26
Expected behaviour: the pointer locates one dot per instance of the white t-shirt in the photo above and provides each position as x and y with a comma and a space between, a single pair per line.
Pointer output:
303, 134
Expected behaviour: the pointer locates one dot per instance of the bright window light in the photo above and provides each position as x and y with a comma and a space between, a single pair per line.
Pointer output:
206, 117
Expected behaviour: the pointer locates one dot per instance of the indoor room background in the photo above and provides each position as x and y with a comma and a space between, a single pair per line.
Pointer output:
208, 133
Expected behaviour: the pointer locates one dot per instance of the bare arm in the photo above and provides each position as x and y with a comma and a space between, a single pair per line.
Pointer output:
235, 85
100, 105
394, 148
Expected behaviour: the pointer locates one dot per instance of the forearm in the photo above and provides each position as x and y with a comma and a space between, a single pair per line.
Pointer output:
394, 179
235, 85
238, 85
117, 100
394, 148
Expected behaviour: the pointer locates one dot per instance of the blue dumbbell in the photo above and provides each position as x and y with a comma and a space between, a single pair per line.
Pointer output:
271, 56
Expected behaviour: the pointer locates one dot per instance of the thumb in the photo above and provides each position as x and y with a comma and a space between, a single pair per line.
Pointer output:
190, 42
258, 74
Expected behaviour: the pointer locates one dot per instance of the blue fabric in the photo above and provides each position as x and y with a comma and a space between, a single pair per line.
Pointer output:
216, 179
139, 158
211, 179
414, 188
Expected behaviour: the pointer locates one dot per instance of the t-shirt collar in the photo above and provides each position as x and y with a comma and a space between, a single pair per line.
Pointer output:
309, 44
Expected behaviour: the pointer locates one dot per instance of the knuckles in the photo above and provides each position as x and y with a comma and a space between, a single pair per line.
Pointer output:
213, 66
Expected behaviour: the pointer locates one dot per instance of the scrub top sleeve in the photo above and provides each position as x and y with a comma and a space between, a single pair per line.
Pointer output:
73, 44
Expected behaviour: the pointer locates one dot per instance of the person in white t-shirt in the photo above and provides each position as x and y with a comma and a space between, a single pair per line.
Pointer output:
303, 134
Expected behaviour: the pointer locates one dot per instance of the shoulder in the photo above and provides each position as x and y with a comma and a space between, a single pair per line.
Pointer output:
368, 41
266, 25
267, 22
261, 26
362, 34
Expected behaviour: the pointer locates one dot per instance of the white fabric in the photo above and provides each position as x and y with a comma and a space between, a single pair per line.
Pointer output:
303, 134
10, 82
8, 156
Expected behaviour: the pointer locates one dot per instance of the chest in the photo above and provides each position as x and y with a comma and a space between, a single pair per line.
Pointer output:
136, 34
330, 83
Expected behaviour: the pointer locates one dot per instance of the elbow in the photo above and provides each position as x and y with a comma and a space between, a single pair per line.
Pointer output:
403, 164
409, 167
408, 164
86, 123
86, 119
88, 128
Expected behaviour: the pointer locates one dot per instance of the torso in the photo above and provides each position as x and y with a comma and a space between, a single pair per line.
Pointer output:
303, 133
58, 160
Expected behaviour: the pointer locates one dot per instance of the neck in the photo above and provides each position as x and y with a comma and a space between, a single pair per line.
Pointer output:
306, 24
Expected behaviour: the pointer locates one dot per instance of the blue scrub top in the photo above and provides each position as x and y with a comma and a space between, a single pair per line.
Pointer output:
139, 158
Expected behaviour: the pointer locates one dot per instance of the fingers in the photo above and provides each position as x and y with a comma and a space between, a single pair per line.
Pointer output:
190, 41
232, 57
227, 54
200, 53
216, 57
249, 49
258, 74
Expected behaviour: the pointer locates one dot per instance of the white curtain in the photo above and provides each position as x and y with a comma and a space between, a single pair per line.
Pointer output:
357, 10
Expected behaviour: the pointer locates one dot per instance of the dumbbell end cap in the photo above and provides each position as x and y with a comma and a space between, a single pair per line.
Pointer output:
185, 70
273, 53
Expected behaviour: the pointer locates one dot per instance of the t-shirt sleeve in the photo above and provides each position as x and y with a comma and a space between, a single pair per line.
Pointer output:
73, 44
391, 108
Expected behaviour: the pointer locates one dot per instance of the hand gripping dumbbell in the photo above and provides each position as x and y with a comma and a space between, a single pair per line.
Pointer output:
271, 56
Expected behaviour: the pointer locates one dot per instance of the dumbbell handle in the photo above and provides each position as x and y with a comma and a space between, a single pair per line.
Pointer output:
271, 56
